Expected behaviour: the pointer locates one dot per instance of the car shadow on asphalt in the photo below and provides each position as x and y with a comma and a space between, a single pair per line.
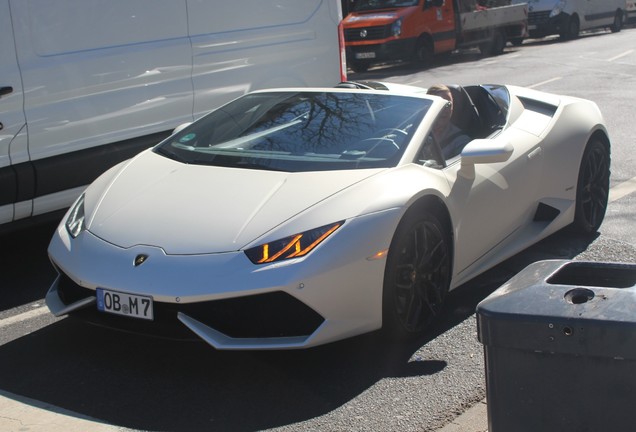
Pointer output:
152, 384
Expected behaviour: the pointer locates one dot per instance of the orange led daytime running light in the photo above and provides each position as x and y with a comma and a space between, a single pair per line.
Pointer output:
305, 251
294, 243
266, 259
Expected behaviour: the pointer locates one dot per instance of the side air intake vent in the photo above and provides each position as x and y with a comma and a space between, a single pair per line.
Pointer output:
545, 213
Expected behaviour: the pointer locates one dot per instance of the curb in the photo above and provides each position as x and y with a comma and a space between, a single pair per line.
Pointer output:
475, 419
30, 415
34, 416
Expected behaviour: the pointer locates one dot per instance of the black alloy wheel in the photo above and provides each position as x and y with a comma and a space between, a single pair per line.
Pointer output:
592, 188
417, 275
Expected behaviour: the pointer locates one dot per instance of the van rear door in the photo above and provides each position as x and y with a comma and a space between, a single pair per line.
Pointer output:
13, 139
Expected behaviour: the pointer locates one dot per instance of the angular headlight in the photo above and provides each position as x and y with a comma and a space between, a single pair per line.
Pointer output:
291, 247
396, 28
75, 221
557, 9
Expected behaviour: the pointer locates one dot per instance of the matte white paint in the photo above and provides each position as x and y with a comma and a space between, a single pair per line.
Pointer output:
195, 243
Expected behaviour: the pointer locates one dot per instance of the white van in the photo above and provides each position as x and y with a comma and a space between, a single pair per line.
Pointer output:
568, 18
85, 84
630, 11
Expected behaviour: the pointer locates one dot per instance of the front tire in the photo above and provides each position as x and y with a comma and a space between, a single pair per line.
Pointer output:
618, 22
592, 190
360, 66
571, 28
417, 275
424, 53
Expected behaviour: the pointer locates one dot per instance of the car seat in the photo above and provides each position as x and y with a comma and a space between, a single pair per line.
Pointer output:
465, 115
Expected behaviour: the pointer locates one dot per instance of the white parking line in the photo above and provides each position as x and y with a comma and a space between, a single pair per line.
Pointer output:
622, 190
24, 316
414, 83
544, 82
20, 414
626, 53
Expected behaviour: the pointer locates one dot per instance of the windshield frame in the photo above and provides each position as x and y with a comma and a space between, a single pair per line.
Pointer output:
302, 130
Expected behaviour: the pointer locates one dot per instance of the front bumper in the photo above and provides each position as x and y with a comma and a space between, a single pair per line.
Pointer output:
398, 49
333, 293
540, 24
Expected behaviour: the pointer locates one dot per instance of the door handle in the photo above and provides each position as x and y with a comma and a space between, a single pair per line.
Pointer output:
5, 90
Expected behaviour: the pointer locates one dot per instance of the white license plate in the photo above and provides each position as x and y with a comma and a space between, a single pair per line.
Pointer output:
365, 55
119, 303
532, 27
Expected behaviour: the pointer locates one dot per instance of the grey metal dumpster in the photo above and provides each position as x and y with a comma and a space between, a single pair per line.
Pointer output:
560, 349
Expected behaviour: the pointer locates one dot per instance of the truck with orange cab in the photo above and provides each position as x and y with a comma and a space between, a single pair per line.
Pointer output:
380, 31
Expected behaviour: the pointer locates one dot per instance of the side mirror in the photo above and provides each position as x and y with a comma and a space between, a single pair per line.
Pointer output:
180, 127
484, 151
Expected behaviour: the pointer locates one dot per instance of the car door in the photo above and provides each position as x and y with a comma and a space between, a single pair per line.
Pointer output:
598, 12
13, 139
491, 202
442, 23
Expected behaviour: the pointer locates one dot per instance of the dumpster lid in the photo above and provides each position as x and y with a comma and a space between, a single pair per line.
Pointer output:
569, 307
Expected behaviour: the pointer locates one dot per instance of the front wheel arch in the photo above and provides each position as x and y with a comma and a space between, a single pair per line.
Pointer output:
431, 216
593, 183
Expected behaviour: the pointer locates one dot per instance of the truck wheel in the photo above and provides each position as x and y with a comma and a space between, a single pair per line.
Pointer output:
424, 53
571, 28
495, 46
360, 66
618, 22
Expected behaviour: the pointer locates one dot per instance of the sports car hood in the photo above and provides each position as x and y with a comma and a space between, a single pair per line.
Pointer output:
191, 209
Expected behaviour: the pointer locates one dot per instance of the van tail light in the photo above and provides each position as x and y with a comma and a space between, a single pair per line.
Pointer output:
343, 54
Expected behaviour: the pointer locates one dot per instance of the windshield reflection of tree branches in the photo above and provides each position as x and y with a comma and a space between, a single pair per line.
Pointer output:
307, 125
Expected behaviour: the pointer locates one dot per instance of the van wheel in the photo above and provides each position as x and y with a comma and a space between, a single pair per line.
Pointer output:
360, 66
592, 189
516, 41
571, 28
424, 53
618, 22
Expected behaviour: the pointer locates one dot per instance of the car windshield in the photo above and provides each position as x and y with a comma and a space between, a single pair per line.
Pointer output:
301, 131
365, 5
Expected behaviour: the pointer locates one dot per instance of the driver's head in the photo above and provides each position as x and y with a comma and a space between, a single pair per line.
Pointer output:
444, 92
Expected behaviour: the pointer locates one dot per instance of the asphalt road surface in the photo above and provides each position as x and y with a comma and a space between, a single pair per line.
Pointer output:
360, 384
